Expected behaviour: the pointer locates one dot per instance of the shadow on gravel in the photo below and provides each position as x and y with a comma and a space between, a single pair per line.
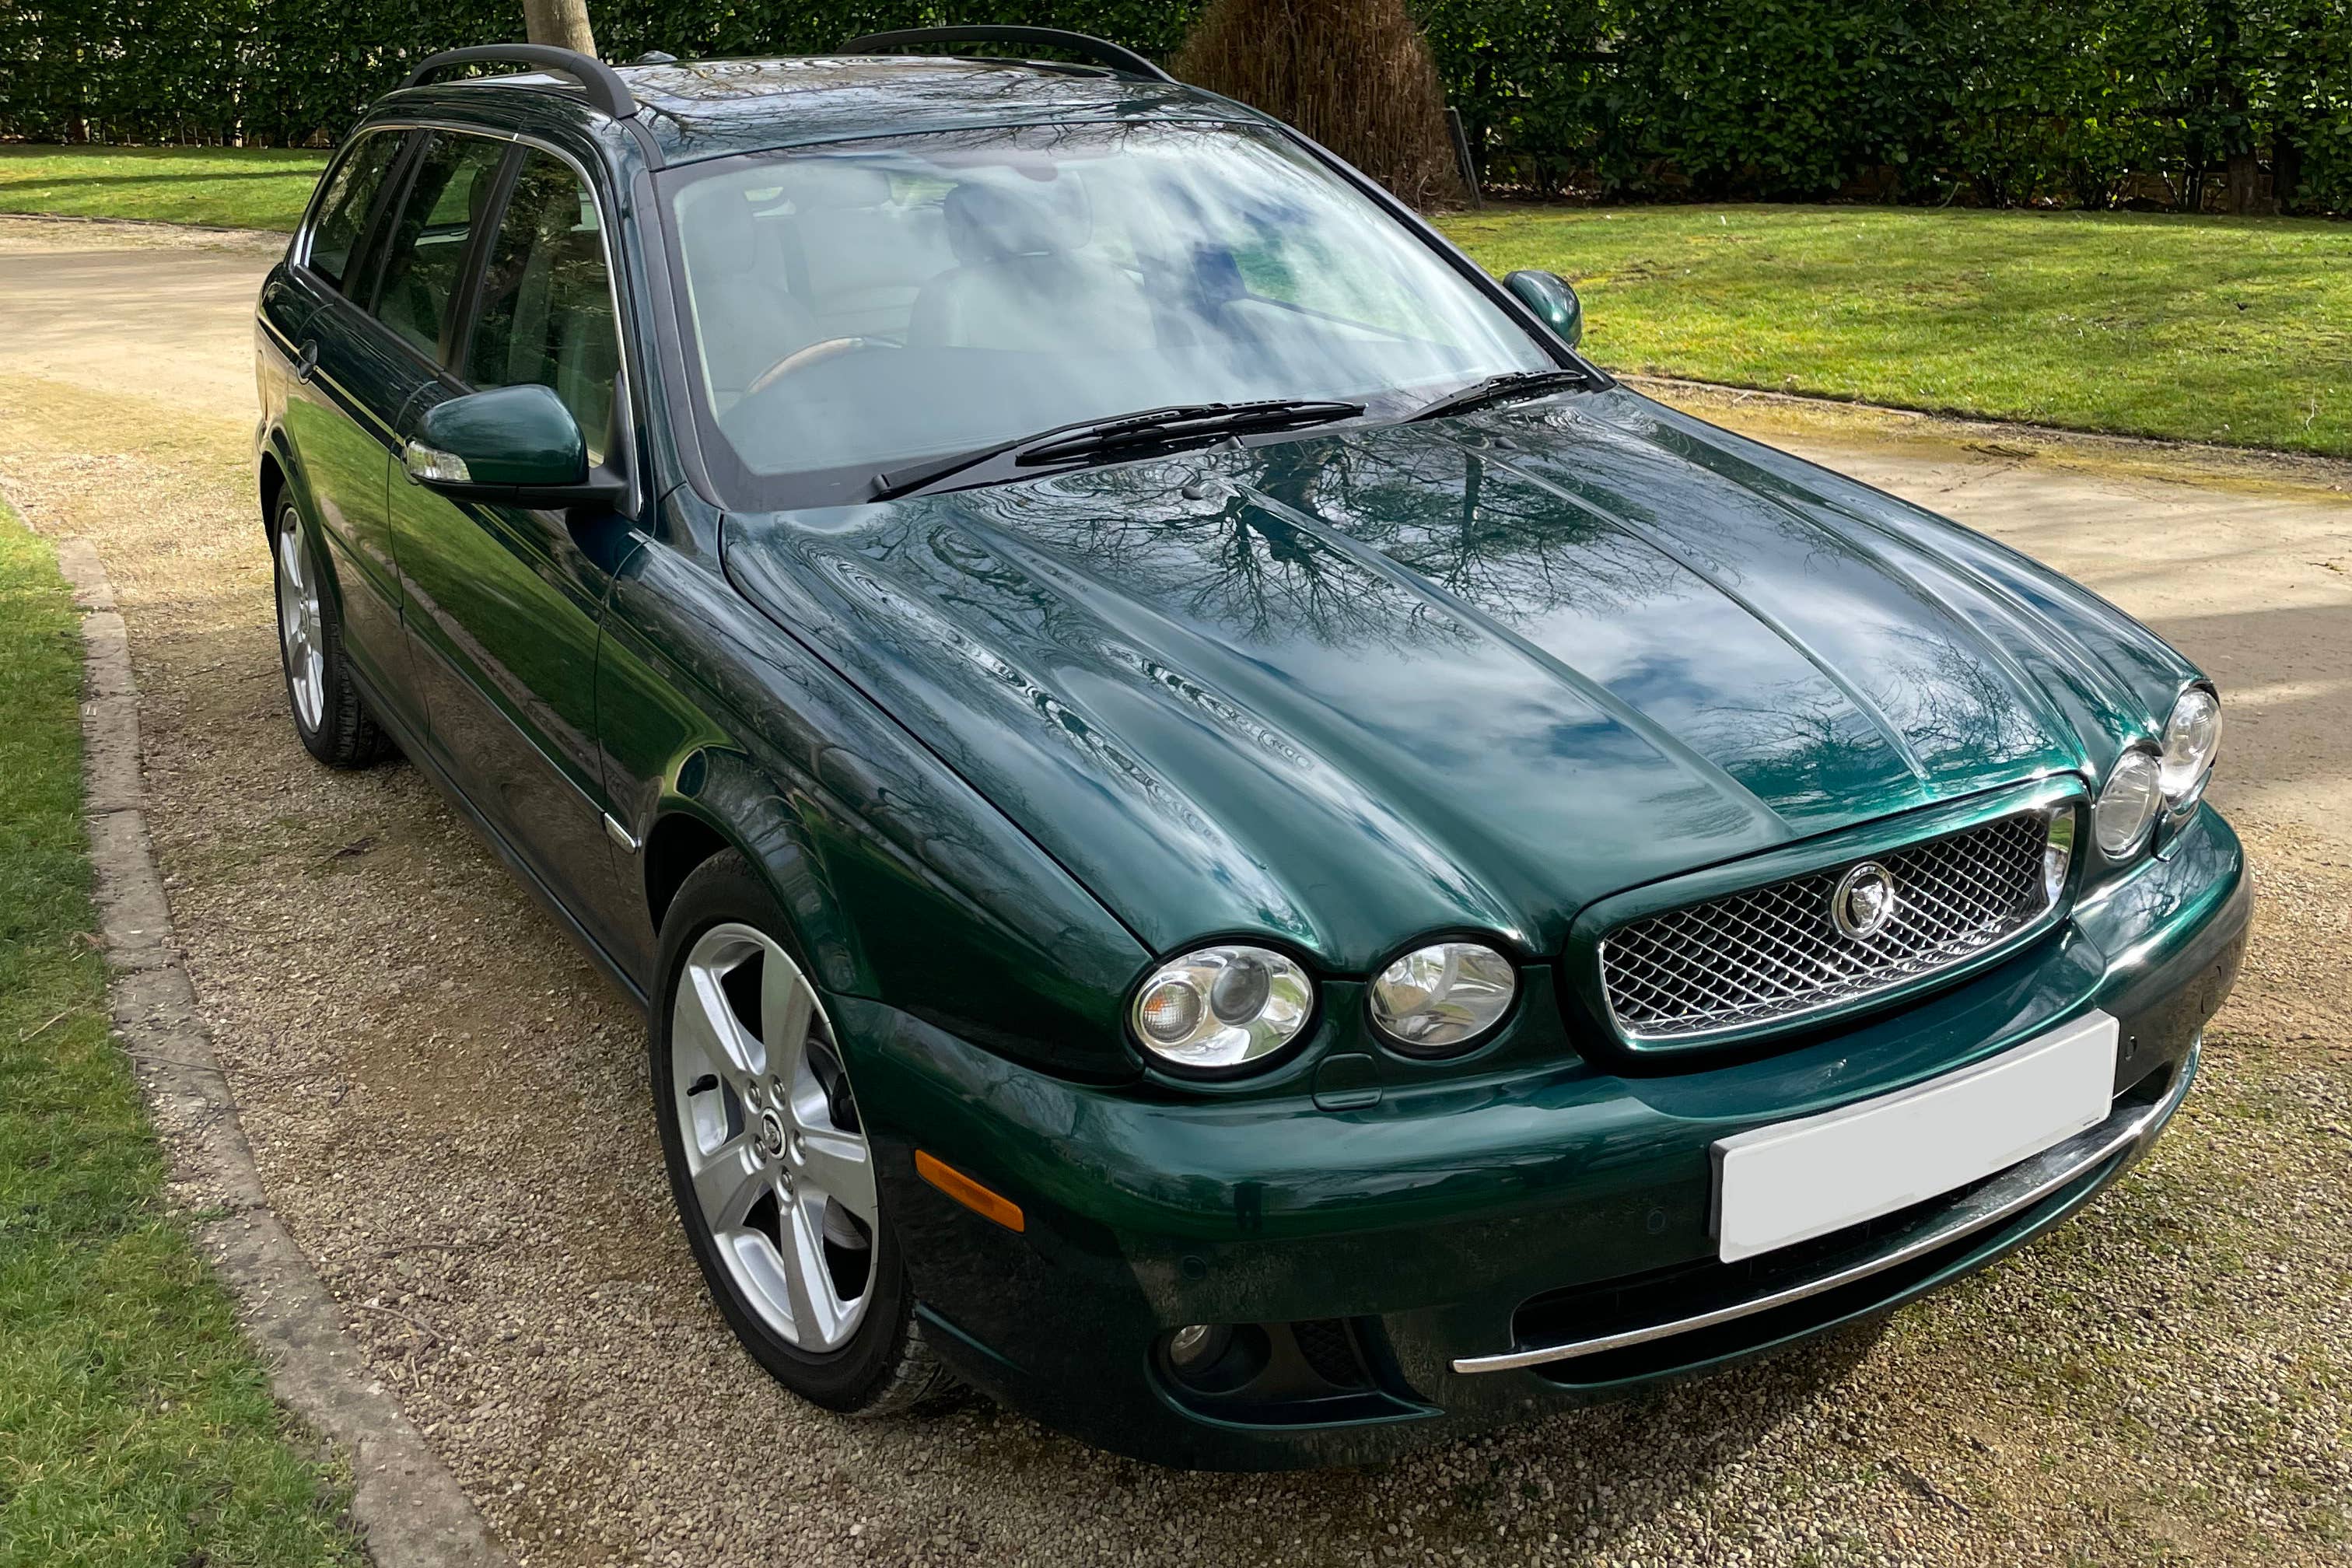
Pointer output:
1617, 1466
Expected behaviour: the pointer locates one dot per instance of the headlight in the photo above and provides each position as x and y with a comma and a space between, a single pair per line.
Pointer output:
2128, 806
1223, 1006
2191, 736
1443, 995
2057, 854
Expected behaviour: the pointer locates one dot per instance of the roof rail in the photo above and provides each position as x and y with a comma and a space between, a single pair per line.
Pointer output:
1095, 51
605, 88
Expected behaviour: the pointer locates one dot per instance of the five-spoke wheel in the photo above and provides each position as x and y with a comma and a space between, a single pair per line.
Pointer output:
329, 715
780, 1171
298, 628
775, 1171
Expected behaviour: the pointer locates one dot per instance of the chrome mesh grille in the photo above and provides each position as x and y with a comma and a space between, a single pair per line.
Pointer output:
1770, 954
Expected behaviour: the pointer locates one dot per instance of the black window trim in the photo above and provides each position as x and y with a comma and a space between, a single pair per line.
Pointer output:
491, 211
380, 223
457, 331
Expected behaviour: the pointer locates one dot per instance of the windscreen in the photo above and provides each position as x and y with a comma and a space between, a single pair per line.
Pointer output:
864, 307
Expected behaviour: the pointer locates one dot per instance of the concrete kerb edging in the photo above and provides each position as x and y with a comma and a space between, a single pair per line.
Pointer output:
409, 1508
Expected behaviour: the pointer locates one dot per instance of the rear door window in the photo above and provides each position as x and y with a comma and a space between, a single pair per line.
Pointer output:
423, 263
349, 204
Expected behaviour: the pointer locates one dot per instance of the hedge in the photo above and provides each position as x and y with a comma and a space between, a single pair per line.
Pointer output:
2188, 104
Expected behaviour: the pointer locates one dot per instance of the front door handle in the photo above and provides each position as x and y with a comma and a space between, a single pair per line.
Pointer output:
308, 361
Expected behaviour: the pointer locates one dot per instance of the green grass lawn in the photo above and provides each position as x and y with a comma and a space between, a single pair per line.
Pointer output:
232, 187
135, 1426
2204, 328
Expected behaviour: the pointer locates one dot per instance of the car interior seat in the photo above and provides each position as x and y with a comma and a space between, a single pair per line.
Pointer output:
853, 252
749, 315
1023, 280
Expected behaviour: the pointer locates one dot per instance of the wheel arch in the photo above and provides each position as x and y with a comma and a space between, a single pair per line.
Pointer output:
272, 479
675, 846
716, 800
278, 473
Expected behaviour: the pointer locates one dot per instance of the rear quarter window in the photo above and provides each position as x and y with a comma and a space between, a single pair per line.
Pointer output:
352, 188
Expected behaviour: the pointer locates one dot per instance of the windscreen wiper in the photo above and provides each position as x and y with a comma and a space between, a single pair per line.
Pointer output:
1091, 440
1497, 388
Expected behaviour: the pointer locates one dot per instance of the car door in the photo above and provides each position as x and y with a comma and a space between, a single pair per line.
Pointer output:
347, 388
504, 600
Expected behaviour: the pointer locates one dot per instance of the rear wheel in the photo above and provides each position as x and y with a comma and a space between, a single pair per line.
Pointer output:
768, 1158
329, 715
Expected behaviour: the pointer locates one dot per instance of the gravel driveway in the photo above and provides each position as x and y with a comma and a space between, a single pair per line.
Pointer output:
448, 1109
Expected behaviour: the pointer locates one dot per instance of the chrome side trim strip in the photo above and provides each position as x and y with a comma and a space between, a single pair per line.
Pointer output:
620, 834
351, 403
2017, 1189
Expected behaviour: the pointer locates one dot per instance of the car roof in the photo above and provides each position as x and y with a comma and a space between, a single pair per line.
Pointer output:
707, 109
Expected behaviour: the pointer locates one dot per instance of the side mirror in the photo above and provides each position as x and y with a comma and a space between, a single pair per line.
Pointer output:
1550, 297
513, 444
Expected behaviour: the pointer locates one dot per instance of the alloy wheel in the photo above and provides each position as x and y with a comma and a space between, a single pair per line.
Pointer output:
300, 627
781, 1171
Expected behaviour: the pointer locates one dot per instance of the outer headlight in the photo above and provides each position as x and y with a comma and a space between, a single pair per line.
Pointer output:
2191, 737
1443, 995
2127, 805
1223, 1006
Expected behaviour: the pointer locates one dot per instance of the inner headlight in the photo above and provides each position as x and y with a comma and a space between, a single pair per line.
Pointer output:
2191, 737
1223, 1006
2127, 805
1443, 995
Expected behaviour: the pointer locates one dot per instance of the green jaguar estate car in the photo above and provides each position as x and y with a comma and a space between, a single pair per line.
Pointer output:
1221, 836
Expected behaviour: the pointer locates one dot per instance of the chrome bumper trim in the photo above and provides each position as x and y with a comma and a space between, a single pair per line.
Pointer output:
2018, 1188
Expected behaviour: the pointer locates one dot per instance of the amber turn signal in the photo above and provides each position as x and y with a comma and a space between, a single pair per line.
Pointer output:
969, 1193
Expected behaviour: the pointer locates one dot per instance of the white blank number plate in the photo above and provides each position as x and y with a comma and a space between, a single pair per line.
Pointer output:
1796, 1180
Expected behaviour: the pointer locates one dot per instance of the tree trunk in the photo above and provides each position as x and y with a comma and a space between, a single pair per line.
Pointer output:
2287, 166
2245, 183
563, 23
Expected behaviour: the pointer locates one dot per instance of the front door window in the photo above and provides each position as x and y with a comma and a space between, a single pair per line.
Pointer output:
546, 311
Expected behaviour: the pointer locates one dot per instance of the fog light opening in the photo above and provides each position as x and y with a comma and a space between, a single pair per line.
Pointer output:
1195, 1345
1215, 1358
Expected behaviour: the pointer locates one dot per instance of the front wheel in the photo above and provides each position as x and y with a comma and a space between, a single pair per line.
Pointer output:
768, 1159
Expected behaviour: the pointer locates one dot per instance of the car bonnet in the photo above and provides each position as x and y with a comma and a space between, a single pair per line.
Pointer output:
1474, 674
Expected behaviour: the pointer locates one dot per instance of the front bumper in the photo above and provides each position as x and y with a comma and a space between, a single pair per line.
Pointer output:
1487, 1247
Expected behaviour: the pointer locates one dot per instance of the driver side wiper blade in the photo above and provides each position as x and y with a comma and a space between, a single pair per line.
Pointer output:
1206, 421
1496, 388
1153, 428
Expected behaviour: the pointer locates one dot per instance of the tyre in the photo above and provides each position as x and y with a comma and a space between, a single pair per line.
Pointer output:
329, 715
773, 1174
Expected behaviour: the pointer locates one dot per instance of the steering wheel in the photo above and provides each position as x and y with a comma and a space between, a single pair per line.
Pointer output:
808, 355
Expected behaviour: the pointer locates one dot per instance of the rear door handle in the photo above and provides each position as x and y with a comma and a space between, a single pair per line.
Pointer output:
308, 361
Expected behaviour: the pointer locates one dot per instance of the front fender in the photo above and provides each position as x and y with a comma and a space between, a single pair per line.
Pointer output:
905, 885
721, 794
